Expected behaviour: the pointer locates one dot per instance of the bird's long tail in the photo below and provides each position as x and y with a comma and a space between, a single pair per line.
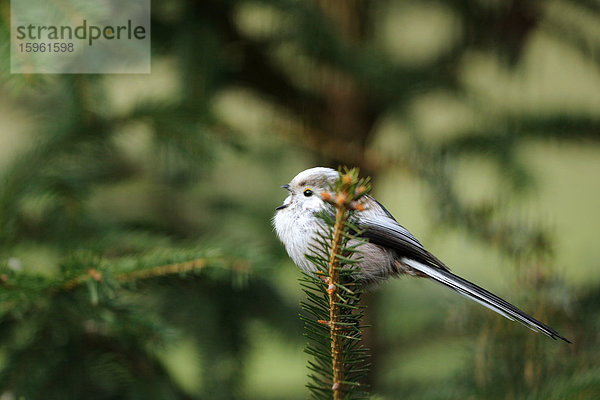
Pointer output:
483, 297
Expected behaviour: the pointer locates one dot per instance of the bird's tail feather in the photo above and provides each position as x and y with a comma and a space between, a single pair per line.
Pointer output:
483, 297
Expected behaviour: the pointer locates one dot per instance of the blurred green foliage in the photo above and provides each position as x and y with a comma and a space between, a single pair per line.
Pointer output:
479, 121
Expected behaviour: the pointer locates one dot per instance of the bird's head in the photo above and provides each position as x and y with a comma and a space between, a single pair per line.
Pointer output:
306, 188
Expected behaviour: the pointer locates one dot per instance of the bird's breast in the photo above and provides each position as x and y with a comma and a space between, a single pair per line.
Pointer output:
296, 231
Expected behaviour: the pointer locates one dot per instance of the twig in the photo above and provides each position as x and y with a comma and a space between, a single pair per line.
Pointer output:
334, 309
162, 270
153, 272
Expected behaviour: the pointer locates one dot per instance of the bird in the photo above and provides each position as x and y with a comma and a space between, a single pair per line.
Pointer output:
390, 249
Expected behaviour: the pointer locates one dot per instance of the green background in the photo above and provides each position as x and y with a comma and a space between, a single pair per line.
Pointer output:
478, 122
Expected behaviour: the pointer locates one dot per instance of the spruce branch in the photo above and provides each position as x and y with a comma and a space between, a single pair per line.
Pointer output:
333, 296
152, 272
161, 270
103, 275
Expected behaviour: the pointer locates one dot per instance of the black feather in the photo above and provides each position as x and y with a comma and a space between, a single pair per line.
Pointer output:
484, 297
388, 233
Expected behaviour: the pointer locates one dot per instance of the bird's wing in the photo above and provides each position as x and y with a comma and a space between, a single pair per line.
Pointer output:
386, 232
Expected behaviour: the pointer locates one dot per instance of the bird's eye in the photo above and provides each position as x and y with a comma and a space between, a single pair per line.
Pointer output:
308, 192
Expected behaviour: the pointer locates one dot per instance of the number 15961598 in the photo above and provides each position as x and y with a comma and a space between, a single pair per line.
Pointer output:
46, 47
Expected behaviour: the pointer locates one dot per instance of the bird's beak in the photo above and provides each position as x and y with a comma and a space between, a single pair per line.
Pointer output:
286, 187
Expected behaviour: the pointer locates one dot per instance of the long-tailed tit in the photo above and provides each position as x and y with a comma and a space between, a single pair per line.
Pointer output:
391, 250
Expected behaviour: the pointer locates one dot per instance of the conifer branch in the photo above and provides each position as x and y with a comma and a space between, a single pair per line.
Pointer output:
161, 270
140, 274
334, 309
333, 297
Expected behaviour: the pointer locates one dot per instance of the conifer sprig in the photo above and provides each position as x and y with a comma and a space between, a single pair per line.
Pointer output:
333, 297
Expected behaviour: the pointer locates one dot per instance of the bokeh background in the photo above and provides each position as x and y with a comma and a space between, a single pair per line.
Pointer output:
137, 256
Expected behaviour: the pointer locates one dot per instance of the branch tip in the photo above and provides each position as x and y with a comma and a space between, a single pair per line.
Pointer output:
95, 274
340, 199
357, 206
347, 179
